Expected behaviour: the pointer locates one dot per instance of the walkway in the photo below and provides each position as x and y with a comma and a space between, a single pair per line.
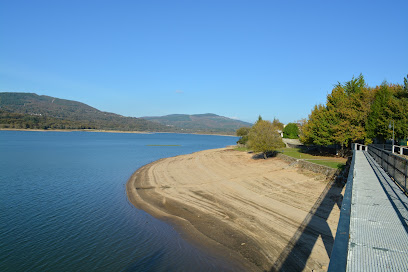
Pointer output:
378, 220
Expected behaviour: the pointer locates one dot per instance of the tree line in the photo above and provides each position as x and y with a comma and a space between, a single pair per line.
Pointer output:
31, 121
355, 112
25, 121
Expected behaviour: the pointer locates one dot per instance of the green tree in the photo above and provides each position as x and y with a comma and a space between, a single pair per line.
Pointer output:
291, 131
389, 105
318, 130
355, 85
264, 137
243, 133
379, 118
343, 119
350, 105
277, 124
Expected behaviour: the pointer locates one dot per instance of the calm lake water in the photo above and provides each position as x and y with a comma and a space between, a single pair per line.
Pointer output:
63, 204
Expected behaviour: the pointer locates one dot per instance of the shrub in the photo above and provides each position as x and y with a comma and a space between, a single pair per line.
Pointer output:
291, 131
264, 137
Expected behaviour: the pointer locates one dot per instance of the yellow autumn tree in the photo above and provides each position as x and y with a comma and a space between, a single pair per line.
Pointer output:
264, 137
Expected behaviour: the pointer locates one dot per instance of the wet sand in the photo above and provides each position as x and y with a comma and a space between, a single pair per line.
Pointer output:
264, 215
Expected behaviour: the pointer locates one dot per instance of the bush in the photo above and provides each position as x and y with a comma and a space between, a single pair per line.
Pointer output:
243, 133
264, 137
291, 131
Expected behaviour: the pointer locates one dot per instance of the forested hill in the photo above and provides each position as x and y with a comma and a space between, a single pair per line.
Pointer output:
200, 122
29, 110
32, 111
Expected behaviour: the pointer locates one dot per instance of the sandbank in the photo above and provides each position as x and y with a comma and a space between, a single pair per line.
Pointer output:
265, 215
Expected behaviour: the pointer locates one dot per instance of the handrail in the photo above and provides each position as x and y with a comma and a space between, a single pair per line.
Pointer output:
400, 149
356, 146
396, 166
390, 147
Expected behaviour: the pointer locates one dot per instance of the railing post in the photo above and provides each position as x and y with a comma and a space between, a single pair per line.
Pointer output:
388, 163
406, 174
385, 159
382, 159
401, 150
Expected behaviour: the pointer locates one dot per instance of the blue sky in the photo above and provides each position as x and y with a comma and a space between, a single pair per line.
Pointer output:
235, 58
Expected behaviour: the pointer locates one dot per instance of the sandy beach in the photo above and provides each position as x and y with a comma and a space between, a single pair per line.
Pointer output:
265, 215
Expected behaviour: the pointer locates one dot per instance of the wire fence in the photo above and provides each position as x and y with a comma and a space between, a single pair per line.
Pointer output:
396, 166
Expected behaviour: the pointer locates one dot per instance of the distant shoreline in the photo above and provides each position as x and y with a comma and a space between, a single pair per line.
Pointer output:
75, 130
110, 131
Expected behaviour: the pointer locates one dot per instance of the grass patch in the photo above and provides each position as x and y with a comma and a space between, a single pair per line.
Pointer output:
332, 162
241, 148
161, 145
298, 154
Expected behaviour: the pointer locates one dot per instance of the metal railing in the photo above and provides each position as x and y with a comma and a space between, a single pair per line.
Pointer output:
396, 166
402, 150
356, 146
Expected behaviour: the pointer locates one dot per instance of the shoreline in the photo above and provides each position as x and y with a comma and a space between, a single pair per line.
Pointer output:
186, 225
238, 208
75, 130
109, 131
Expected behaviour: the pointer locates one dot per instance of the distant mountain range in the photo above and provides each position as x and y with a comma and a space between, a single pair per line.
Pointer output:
29, 110
32, 111
199, 122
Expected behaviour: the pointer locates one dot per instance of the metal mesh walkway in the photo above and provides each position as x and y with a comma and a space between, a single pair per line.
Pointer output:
378, 220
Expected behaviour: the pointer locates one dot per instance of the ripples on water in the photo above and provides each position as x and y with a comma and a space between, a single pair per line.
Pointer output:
63, 205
